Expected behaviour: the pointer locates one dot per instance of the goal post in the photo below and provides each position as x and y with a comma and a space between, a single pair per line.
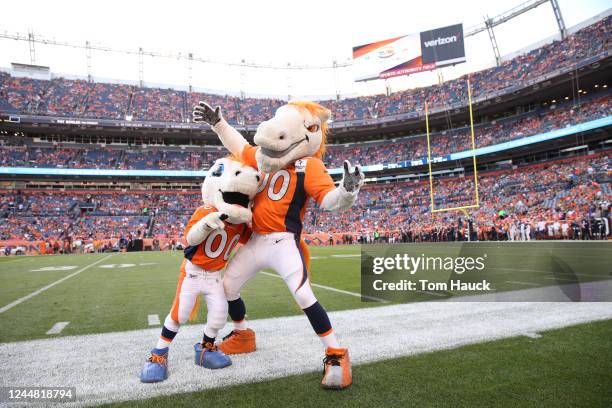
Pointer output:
476, 203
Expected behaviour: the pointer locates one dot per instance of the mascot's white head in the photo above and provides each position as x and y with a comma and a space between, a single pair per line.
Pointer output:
230, 187
297, 130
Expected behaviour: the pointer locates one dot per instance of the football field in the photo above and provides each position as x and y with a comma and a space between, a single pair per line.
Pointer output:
117, 292
89, 320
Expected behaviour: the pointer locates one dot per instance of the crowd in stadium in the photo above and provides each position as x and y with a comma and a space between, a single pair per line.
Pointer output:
567, 199
79, 98
538, 121
537, 196
456, 140
542, 201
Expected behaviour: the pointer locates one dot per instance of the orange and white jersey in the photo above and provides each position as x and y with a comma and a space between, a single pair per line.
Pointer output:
281, 199
213, 253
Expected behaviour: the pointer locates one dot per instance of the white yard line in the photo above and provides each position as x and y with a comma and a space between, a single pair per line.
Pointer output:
580, 274
345, 292
519, 270
57, 328
153, 320
551, 273
532, 335
523, 283
49, 286
431, 293
105, 367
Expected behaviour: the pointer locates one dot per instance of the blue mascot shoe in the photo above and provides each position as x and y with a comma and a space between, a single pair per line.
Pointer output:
156, 367
208, 356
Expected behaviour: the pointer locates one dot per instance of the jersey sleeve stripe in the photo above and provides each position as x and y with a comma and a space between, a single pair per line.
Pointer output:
190, 251
293, 220
304, 268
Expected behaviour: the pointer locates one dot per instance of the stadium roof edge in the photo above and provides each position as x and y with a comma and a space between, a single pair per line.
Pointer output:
557, 36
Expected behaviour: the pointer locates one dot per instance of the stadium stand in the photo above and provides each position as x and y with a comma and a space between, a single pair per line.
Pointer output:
565, 191
568, 198
511, 128
113, 101
567, 195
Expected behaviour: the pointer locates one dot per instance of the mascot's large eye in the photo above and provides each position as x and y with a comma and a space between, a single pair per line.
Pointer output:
312, 128
218, 171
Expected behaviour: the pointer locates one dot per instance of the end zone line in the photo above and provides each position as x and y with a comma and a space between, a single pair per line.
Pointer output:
49, 286
346, 292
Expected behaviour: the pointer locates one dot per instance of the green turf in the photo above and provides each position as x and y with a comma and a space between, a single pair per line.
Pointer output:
570, 367
19, 278
117, 299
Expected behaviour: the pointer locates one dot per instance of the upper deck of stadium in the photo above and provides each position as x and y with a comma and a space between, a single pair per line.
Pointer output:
106, 104
548, 101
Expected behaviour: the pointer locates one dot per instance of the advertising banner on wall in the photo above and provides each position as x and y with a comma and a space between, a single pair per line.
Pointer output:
409, 54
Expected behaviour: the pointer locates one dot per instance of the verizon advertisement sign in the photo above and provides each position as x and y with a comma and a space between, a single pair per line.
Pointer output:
409, 54
443, 46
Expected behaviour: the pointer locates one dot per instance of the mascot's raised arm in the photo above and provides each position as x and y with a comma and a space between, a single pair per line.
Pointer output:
298, 130
289, 150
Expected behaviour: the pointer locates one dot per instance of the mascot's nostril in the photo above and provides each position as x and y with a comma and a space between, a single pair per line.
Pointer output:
238, 172
257, 178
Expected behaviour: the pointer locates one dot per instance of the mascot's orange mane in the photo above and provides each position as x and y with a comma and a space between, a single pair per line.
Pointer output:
316, 110
235, 158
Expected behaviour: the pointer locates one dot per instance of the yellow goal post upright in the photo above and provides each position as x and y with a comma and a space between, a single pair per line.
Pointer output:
464, 208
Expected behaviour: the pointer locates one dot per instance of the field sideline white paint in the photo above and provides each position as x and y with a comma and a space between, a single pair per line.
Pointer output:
153, 320
105, 367
345, 292
49, 286
57, 328
523, 283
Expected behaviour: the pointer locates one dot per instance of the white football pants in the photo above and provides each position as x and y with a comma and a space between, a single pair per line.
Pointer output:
193, 282
279, 251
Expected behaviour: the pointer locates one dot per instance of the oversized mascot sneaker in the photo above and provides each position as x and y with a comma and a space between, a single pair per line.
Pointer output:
227, 193
239, 342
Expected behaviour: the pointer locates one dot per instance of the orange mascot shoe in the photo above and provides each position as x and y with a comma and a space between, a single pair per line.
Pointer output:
238, 342
337, 369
